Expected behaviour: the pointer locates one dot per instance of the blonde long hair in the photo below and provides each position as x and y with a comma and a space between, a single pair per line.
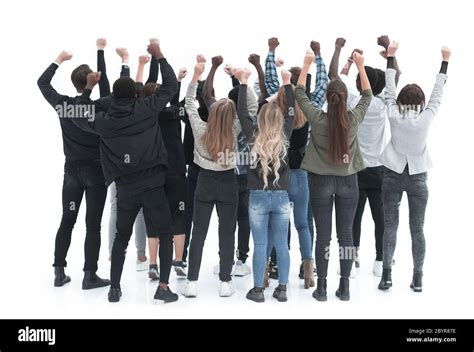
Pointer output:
270, 146
218, 137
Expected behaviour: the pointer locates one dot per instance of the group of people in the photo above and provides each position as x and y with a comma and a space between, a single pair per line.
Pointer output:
255, 155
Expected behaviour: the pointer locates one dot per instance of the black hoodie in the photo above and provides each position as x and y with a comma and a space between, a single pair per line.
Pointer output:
130, 137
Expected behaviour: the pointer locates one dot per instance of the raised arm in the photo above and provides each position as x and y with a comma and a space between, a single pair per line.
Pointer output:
182, 73
124, 56
366, 91
169, 86
44, 81
154, 66
437, 93
390, 96
254, 59
334, 66
289, 112
86, 122
195, 121
242, 106
230, 71
104, 85
272, 82
142, 61
207, 94
318, 97
309, 110
384, 41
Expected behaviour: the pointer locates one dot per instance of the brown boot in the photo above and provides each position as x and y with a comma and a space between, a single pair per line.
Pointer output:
266, 278
308, 268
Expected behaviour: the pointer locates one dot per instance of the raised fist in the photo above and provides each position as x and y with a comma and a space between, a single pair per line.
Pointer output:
279, 62
286, 77
392, 48
143, 59
340, 42
316, 47
254, 59
217, 61
273, 43
93, 78
446, 53
183, 71
122, 52
201, 59
64, 56
383, 41
101, 43
358, 59
309, 58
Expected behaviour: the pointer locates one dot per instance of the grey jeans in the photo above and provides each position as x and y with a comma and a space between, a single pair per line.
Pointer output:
140, 229
415, 186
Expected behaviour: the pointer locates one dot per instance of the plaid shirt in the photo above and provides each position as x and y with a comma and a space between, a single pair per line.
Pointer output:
318, 97
272, 82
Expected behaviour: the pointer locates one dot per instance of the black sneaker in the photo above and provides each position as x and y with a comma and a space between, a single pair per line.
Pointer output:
91, 281
386, 280
256, 295
273, 271
114, 295
179, 268
60, 278
280, 293
165, 295
417, 282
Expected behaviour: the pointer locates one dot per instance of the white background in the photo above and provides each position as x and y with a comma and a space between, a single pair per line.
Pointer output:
33, 33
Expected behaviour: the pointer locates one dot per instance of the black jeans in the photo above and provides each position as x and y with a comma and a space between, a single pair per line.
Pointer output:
157, 217
370, 187
325, 191
191, 184
214, 188
81, 177
415, 186
243, 233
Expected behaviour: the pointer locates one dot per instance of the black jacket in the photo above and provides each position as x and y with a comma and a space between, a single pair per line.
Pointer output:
131, 140
77, 143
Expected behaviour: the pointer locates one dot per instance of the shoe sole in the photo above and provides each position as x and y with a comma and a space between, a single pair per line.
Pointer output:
343, 298
153, 277
384, 288
93, 287
280, 299
179, 271
416, 289
256, 300
166, 300
226, 295
321, 298
240, 274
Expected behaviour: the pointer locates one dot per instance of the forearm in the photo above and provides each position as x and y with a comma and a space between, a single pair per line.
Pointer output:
334, 66
139, 76
261, 80
272, 83
175, 100
364, 80
243, 113
104, 85
154, 69
346, 69
207, 95
303, 75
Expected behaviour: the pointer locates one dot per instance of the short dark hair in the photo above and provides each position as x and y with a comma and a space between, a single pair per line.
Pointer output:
295, 74
411, 97
79, 77
380, 85
234, 95
125, 88
149, 89
373, 78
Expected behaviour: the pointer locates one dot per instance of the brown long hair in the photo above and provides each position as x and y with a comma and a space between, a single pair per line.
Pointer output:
218, 137
300, 119
338, 122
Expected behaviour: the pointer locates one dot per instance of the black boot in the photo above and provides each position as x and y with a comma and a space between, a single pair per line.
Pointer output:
280, 293
386, 280
321, 291
416, 283
114, 295
165, 294
60, 278
91, 280
343, 290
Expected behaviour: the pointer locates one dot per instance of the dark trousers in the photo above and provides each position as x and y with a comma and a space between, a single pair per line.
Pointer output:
217, 188
81, 177
243, 233
191, 184
343, 193
370, 187
415, 186
157, 217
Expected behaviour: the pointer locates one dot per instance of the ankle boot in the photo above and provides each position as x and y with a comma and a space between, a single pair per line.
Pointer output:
416, 283
321, 291
308, 268
386, 280
91, 281
60, 278
343, 290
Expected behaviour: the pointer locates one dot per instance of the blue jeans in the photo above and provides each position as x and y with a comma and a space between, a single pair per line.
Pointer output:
269, 208
298, 193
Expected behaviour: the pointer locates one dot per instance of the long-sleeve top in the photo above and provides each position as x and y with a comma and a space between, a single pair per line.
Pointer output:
318, 96
316, 159
77, 144
254, 179
201, 155
372, 132
272, 83
131, 142
409, 131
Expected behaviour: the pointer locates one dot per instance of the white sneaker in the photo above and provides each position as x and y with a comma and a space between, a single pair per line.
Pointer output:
378, 268
141, 266
226, 289
190, 290
241, 269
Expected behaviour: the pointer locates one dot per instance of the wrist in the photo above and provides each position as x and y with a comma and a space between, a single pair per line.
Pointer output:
244, 81
125, 60
90, 86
